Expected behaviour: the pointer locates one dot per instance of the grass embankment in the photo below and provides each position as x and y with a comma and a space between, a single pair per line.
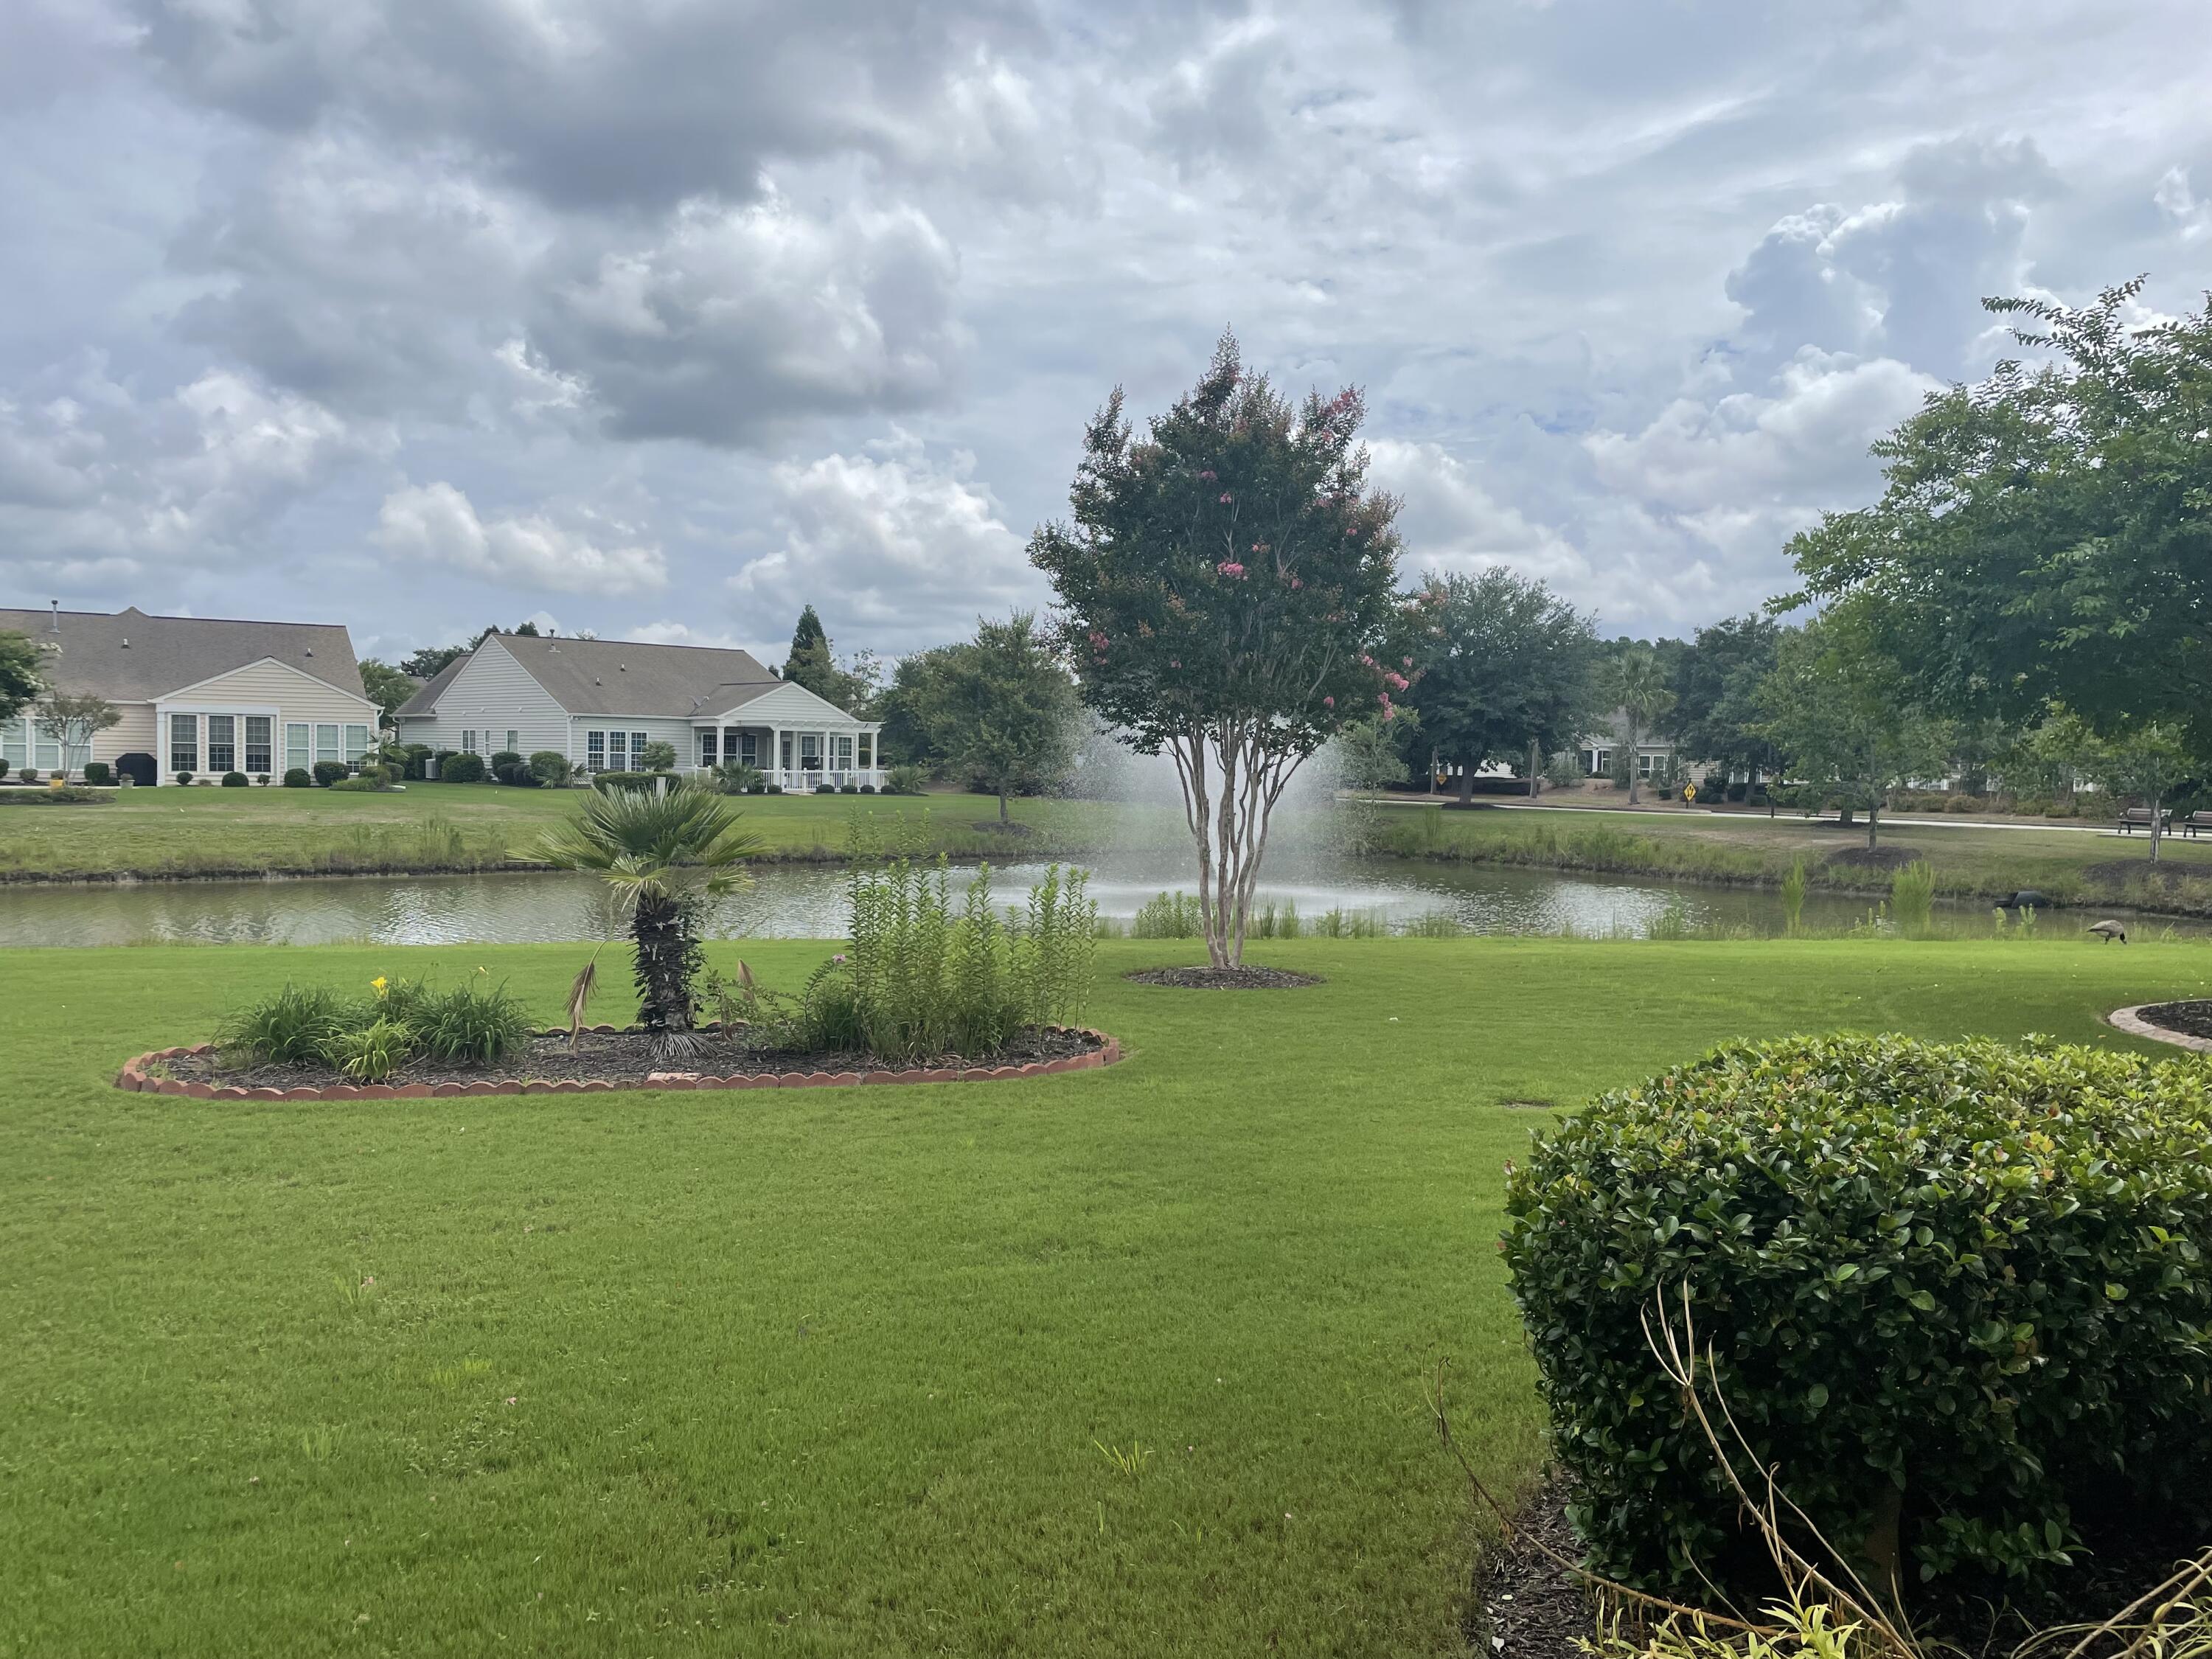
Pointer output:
429, 827
830, 1372
2068, 866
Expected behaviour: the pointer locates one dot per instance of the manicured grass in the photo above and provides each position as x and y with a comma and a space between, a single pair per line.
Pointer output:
2066, 865
432, 826
830, 1372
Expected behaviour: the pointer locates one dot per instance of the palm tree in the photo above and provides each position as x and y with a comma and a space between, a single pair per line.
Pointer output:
1639, 688
661, 853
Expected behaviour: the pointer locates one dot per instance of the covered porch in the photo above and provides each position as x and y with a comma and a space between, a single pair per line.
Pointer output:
796, 757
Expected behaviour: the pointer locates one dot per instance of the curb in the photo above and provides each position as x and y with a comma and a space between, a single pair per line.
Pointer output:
134, 1078
2131, 1020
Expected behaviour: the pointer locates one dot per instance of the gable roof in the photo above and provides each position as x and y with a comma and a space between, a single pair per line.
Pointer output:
623, 677
131, 657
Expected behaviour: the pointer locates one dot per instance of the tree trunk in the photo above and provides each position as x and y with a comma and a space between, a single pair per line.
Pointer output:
1002, 806
1467, 786
1231, 781
2153, 829
661, 929
1873, 822
1534, 774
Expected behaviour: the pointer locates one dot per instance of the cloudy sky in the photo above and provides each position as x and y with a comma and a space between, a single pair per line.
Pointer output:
665, 317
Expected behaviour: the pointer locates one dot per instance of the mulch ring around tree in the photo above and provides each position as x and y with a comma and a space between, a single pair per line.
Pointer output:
607, 1057
1874, 858
2189, 1019
1223, 979
1527, 1606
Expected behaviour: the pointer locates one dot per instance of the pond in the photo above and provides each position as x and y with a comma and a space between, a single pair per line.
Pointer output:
807, 901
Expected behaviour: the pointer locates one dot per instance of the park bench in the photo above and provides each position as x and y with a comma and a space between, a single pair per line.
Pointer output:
2196, 822
2138, 818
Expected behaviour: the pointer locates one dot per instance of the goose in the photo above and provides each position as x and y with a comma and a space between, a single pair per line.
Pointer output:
2108, 930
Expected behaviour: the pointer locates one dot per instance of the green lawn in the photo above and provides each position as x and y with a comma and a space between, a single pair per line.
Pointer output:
828, 1373
2065, 865
432, 826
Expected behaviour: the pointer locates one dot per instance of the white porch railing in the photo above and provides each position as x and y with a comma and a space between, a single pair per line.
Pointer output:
802, 780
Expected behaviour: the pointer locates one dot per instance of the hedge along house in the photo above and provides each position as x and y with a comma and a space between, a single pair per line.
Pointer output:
197, 695
600, 702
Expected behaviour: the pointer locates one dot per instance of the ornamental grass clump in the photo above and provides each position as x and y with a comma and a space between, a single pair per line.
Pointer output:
293, 1023
476, 1022
1956, 1297
925, 975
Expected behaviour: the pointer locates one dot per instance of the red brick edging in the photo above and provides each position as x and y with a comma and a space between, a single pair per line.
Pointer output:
134, 1077
2131, 1021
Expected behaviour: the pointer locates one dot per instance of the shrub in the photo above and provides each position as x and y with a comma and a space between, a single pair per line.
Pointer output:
1738, 790
1965, 804
1170, 916
297, 1023
515, 775
462, 769
476, 1021
825, 788
549, 766
412, 767
99, 774
182, 777
1957, 1288
736, 778
504, 757
4, 768
56, 794
261, 778
374, 1052
622, 780
867, 788
299, 778
776, 789
658, 756
236, 781
849, 788
369, 783
328, 772
904, 780
1913, 899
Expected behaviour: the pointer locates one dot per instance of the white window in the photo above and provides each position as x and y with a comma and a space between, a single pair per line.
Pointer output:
842, 745
256, 744
16, 743
45, 749
810, 752
595, 751
707, 746
468, 741
637, 742
619, 752
326, 743
222, 743
356, 744
513, 741
183, 743
296, 752
867, 749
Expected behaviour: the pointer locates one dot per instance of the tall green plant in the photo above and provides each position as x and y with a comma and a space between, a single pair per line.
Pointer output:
1793, 899
662, 855
1913, 899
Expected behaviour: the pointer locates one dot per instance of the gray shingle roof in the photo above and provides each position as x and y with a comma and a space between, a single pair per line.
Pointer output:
623, 678
131, 657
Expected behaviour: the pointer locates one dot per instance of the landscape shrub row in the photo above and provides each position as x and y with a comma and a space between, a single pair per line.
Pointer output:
369, 1038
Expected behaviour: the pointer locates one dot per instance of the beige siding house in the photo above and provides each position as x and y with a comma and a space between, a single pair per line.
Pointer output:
197, 695
600, 702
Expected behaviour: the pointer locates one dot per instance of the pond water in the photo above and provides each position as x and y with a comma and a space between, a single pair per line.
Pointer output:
807, 901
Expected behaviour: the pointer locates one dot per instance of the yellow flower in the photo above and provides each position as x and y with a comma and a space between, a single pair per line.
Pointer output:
378, 984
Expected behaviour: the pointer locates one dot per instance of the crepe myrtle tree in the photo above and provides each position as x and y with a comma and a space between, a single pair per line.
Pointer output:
1226, 595
72, 720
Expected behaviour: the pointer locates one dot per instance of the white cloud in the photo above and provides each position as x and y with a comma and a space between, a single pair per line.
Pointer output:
436, 524
1451, 522
904, 547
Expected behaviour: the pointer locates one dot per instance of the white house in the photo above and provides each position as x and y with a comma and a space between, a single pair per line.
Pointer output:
197, 695
599, 703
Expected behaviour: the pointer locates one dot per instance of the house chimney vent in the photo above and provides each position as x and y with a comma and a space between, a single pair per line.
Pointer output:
55, 626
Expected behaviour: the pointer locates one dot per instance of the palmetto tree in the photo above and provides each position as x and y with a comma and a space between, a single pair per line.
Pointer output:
661, 854
1639, 687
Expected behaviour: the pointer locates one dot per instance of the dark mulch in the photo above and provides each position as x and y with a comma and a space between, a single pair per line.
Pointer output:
1223, 979
993, 827
2190, 1018
626, 1057
1527, 1606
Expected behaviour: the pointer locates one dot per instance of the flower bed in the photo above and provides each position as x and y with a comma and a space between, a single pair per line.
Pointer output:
607, 1059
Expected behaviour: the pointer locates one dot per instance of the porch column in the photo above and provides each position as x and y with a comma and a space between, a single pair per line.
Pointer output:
775, 768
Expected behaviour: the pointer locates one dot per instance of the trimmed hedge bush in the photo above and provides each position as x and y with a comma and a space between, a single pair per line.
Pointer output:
549, 766
1963, 1288
99, 774
236, 781
328, 772
299, 777
623, 780
461, 768
182, 777
515, 775
504, 757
